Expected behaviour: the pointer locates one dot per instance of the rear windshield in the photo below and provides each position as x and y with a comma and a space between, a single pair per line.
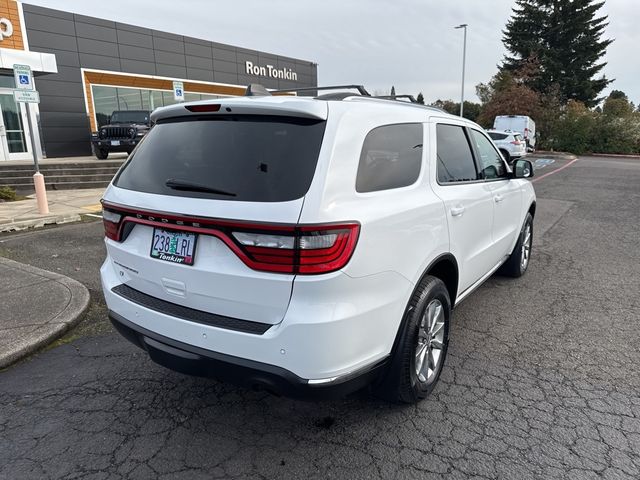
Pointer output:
131, 116
517, 137
232, 157
497, 136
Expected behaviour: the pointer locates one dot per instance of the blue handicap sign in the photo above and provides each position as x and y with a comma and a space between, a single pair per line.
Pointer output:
178, 92
23, 79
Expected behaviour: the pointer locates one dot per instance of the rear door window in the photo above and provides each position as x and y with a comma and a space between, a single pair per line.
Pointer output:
391, 157
253, 158
455, 160
497, 136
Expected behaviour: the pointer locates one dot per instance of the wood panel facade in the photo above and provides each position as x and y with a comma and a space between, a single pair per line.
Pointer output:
9, 10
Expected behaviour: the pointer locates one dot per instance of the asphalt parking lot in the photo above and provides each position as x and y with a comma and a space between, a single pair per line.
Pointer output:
542, 378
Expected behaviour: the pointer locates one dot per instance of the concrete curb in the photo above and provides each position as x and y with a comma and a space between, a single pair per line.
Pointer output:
612, 155
51, 328
13, 226
561, 155
571, 156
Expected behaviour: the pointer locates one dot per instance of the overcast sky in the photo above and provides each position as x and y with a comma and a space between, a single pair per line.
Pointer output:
407, 43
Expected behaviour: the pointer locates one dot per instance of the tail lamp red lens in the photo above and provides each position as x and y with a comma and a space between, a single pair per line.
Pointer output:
293, 249
306, 249
111, 221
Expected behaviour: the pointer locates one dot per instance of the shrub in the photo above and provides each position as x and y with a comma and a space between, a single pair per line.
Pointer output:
574, 129
7, 194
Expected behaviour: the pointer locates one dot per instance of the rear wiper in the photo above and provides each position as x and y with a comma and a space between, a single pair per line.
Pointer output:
177, 184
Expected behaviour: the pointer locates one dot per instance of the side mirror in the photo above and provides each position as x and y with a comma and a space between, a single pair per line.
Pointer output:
522, 169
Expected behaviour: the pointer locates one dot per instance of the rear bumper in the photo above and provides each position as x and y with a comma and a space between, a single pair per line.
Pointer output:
197, 361
125, 144
519, 152
333, 325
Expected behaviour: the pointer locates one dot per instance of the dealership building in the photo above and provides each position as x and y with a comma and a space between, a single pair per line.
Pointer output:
85, 68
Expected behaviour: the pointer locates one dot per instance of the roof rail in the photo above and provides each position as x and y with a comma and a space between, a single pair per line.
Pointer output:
361, 90
256, 90
337, 96
411, 98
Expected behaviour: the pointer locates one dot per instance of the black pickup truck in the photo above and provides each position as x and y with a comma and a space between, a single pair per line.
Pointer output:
125, 130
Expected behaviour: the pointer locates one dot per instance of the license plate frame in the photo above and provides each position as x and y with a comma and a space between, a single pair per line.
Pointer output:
166, 254
115, 143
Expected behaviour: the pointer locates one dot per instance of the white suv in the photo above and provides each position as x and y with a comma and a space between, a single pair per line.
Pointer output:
309, 246
510, 144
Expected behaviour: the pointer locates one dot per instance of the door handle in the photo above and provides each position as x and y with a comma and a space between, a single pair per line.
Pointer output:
457, 211
498, 198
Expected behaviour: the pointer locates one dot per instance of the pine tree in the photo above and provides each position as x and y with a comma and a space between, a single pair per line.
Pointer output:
564, 38
420, 99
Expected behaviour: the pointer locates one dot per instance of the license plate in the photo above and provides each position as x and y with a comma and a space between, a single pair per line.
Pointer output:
175, 247
115, 143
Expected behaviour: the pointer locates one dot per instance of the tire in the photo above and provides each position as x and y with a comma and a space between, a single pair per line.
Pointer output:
518, 262
404, 381
506, 156
101, 153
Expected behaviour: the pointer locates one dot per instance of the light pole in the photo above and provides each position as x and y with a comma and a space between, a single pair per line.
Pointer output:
464, 58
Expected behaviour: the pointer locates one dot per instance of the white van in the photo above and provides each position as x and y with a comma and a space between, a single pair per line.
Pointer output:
518, 123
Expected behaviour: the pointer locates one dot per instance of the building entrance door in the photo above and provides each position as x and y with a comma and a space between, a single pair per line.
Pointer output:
14, 140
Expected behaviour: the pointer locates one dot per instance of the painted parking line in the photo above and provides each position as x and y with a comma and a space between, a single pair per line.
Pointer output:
93, 208
92, 215
554, 171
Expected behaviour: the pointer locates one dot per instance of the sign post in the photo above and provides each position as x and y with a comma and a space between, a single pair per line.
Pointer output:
26, 94
178, 91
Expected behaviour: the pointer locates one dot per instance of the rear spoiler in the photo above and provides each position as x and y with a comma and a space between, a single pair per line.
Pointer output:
284, 106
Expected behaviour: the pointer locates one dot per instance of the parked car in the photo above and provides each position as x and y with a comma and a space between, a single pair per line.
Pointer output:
309, 246
125, 130
521, 124
510, 144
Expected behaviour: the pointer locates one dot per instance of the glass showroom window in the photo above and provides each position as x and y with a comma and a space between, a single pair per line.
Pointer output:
167, 98
107, 100
151, 99
130, 98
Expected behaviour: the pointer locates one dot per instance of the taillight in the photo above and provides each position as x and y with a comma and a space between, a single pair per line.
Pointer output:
111, 221
306, 250
516, 142
293, 249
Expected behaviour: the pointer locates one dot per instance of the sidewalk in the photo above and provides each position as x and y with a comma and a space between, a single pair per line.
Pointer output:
36, 307
64, 206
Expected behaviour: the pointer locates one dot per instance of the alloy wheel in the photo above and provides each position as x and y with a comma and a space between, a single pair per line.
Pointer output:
525, 252
430, 346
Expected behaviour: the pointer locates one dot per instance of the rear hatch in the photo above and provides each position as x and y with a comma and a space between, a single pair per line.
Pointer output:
188, 215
